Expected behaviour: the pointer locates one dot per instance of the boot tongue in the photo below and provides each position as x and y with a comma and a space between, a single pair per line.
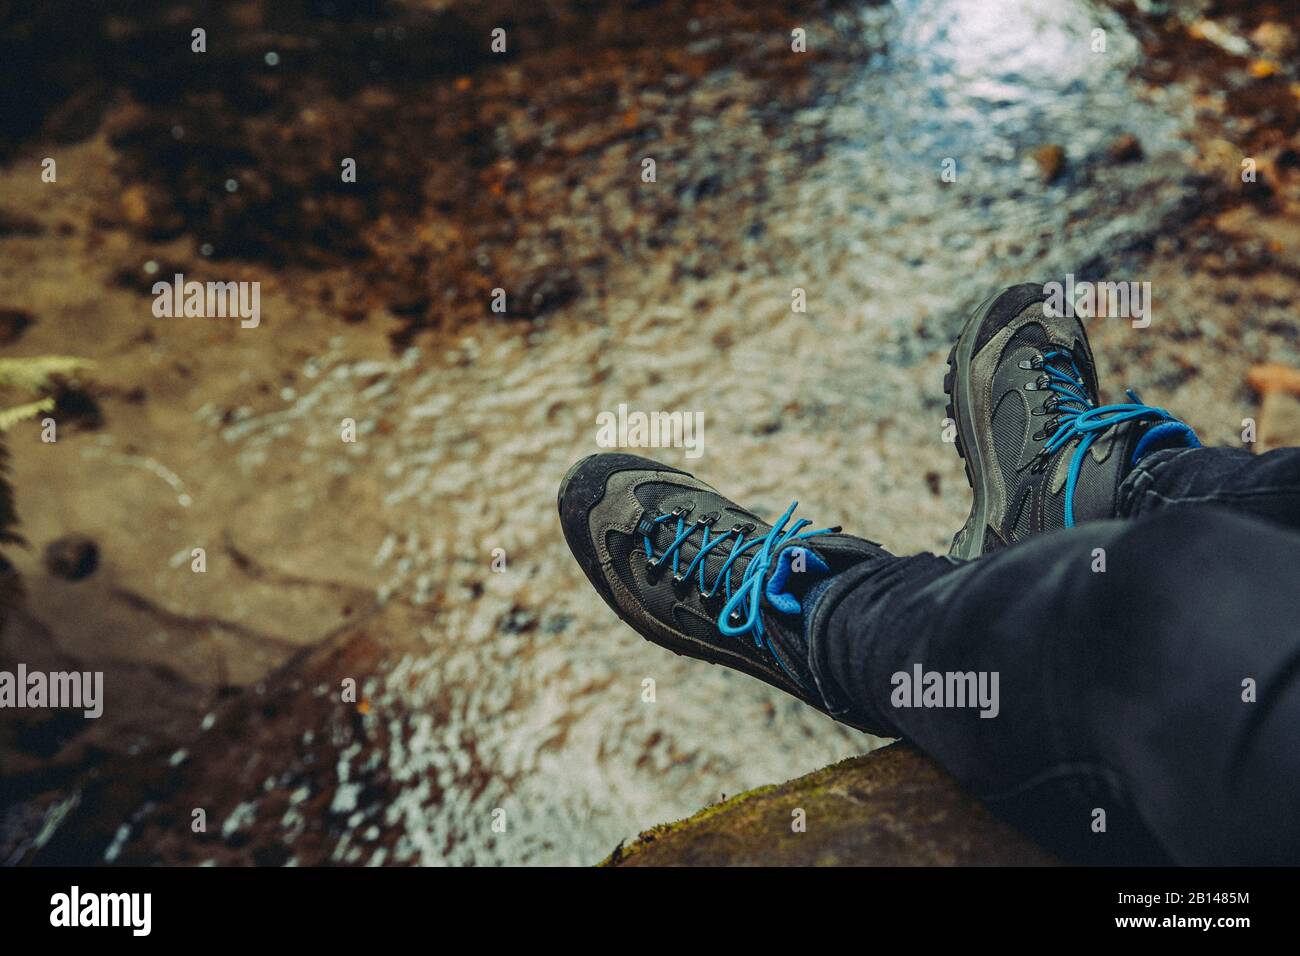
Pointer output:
797, 570
799, 574
1164, 435
663, 533
796, 579
1069, 363
1108, 462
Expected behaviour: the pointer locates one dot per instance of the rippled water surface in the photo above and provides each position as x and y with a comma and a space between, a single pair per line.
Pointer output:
519, 690
540, 685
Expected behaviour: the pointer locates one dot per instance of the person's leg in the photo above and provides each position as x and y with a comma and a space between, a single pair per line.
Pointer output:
1266, 486
1147, 669
1124, 690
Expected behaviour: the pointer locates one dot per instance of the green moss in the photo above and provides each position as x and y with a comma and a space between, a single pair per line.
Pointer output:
621, 853
893, 806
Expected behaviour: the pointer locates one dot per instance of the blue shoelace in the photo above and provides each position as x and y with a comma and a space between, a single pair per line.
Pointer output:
1077, 418
749, 592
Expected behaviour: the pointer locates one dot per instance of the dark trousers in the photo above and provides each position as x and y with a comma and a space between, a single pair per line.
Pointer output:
1148, 712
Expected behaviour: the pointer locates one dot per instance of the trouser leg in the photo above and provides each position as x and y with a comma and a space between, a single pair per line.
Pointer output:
1126, 690
1265, 486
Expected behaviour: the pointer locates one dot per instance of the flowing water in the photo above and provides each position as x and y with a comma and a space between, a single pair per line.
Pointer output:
839, 407
518, 689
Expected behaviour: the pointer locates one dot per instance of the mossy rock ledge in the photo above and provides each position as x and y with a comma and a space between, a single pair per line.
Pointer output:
891, 807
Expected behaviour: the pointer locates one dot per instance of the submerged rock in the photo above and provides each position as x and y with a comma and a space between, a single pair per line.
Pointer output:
1051, 162
1126, 148
13, 324
891, 807
73, 557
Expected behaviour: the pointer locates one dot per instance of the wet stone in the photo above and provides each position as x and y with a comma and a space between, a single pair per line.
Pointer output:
73, 557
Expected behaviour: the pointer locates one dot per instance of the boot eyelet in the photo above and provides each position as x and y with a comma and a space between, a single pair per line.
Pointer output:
1047, 431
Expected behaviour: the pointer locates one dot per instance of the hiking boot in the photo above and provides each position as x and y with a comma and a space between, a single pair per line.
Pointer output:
1041, 451
697, 573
